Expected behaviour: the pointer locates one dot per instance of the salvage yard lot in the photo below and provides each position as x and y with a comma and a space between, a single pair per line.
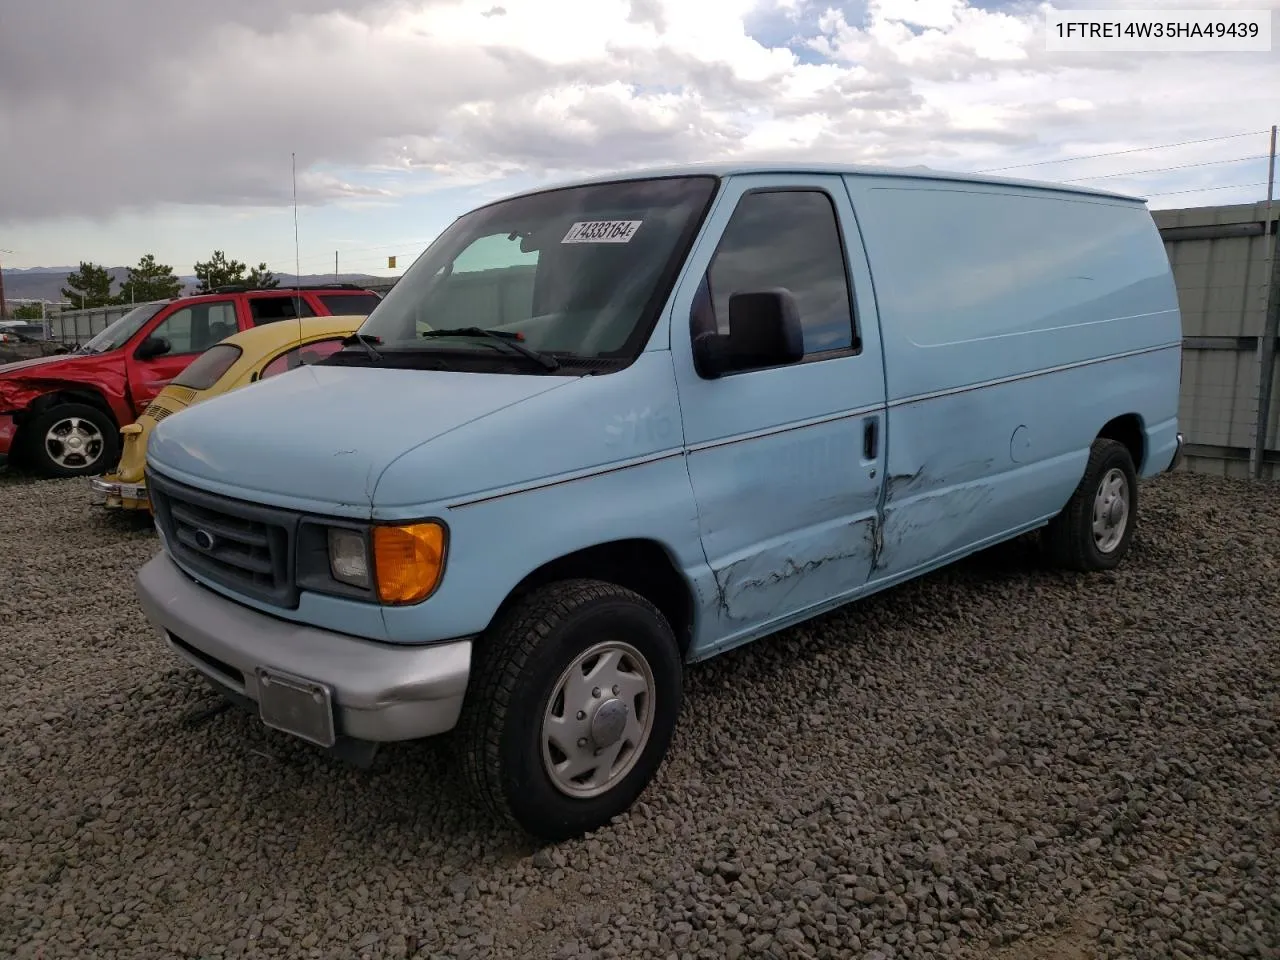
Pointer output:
994, 761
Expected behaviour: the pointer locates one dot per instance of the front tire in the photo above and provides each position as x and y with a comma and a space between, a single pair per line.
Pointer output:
576, 696
1094, 530
72, 440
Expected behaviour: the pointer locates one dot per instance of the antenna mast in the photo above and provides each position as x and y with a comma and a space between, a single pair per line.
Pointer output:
297, 253
4, 311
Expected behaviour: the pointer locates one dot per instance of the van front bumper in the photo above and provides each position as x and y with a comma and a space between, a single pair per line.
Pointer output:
1177, 455
318, 684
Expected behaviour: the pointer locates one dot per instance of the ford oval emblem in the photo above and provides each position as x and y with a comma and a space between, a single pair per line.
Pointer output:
204, 540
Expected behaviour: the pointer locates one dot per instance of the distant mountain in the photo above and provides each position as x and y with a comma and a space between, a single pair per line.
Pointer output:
46, 283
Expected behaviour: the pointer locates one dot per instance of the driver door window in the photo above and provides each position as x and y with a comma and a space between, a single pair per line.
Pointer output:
790, 239
196, 328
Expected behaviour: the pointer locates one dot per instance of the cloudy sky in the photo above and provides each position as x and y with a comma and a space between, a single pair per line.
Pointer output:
166, 126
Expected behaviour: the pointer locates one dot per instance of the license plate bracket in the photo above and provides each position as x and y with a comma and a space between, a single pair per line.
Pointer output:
297, 706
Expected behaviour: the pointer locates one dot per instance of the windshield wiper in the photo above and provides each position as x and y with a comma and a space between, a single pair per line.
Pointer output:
366, 341
509, 342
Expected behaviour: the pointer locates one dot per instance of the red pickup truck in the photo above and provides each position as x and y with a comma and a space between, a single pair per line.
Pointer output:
61, 415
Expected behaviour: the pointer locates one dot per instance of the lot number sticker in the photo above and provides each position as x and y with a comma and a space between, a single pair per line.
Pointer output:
602, 231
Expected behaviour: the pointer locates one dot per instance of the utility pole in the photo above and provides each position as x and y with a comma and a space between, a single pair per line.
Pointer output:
1270, 324
335, 266
4, 309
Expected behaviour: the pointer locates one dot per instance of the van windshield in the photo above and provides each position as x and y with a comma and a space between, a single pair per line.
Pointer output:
575, 273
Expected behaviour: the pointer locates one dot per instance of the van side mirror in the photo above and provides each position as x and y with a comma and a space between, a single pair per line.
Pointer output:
153, 347
764, 331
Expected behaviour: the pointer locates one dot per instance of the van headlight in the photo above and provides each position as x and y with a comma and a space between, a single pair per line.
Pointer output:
392, 564
348, 557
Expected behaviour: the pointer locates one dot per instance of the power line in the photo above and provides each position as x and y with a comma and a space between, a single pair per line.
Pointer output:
360, 261
411, 245
1117, 153
1228, 186
1181, 166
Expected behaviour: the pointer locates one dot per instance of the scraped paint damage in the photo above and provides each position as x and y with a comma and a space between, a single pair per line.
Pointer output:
932, 524
926, 514
799, 572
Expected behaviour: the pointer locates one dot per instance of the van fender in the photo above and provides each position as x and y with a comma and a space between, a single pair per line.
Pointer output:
634, 525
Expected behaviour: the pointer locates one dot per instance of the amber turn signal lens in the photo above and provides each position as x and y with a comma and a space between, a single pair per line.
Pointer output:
407, 561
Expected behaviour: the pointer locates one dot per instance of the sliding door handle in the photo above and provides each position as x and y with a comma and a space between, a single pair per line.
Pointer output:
871, 438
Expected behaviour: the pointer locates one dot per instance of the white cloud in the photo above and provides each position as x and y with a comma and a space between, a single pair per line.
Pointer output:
932, 14
151, 102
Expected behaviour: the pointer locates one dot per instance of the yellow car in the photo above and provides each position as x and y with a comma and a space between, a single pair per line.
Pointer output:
239, 360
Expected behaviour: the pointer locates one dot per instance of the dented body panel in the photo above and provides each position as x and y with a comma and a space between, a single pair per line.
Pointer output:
787, 496
25, 381
1017, 324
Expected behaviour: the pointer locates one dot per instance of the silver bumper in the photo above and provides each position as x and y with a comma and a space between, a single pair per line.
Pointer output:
379, 691
102, 489
1177, 456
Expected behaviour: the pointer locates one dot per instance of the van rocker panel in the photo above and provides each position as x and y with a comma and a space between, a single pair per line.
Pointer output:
381, 692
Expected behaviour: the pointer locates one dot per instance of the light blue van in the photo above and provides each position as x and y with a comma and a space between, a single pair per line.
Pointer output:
601, 431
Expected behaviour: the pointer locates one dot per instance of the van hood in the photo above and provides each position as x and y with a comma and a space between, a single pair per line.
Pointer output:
320, 437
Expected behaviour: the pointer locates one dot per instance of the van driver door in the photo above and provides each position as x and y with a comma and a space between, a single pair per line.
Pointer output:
786, 462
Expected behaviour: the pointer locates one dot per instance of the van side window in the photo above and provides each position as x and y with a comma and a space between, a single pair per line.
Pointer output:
791, 239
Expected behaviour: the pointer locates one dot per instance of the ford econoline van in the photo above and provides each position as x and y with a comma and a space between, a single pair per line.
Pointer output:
602, 431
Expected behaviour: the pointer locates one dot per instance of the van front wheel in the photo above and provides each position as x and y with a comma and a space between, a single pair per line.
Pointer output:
575, 701
1095, 528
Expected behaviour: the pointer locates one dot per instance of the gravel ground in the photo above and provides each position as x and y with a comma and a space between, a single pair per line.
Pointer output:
994, 762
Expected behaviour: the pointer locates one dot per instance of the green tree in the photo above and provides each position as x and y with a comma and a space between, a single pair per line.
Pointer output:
260, 278
149, 281
25, 311
90, 286
218, 271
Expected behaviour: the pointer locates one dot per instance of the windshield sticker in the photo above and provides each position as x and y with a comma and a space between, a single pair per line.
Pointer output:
602, 231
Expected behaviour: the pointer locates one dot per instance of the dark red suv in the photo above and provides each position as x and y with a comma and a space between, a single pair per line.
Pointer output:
61, 415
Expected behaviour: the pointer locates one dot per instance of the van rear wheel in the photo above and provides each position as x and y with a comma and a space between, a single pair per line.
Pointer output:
576, 696
1094, 530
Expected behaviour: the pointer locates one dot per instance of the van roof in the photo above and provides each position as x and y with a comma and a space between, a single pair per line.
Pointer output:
728, 169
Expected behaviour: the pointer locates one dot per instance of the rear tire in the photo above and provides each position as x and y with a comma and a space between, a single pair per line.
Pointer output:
1094, 530
71, 440
552, 749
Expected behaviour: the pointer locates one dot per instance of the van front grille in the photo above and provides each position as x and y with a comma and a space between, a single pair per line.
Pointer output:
245, 547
